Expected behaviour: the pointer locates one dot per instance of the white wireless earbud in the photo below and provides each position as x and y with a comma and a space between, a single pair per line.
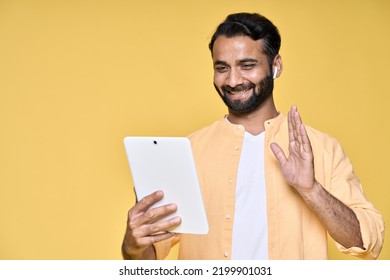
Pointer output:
275, 72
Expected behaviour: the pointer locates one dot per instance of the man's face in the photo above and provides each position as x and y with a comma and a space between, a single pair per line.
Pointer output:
242, 73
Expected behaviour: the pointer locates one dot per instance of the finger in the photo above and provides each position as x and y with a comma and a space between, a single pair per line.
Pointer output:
162, 226
279, 154
157, 228
305, 139
148, 240
146, 202
294, 122
154, 214
291, 136
160, 237
297, 124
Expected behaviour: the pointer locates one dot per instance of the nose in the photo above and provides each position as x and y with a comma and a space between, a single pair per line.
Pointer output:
234, 78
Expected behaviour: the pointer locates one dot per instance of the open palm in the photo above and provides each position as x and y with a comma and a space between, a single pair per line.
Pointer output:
298, 167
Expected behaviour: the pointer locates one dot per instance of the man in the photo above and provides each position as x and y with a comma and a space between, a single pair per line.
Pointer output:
273, 188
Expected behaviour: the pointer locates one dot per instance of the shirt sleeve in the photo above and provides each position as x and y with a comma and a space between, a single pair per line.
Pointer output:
346, 186
372, 229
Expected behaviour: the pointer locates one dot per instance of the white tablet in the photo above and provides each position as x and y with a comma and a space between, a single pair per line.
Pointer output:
167, 164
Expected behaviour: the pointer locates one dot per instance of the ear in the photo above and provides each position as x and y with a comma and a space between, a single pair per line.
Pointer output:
278, 66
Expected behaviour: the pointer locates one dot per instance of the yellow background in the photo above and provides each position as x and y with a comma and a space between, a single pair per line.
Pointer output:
78, 76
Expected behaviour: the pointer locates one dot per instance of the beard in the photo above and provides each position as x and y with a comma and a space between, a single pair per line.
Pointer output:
260, 94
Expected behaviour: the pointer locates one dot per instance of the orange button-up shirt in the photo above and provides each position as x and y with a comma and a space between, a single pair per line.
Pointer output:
294, 231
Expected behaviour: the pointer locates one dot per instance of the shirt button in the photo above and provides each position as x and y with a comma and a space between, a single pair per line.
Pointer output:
236, 148
227, 217
226, 254
230, 180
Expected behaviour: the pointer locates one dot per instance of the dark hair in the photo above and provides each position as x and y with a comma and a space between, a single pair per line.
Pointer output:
254, 26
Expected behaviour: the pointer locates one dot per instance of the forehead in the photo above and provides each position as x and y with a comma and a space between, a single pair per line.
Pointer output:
237, 48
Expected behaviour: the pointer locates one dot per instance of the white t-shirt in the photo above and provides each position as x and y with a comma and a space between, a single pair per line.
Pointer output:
250, 228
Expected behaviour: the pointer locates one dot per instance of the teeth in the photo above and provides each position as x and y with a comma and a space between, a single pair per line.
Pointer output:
238, 92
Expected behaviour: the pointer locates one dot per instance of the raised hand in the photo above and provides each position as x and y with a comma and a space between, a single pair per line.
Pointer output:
298, 167
298, 171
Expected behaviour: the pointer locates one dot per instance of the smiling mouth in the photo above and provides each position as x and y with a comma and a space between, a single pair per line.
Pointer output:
238, 92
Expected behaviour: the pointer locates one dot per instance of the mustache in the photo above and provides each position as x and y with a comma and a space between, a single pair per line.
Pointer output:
238, 88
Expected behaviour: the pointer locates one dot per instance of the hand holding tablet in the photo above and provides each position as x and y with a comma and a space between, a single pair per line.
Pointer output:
167, 164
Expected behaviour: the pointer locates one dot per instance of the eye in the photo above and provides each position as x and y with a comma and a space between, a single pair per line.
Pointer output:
221, 69
248, 66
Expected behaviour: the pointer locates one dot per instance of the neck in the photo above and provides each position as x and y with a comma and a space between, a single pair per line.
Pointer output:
254, 121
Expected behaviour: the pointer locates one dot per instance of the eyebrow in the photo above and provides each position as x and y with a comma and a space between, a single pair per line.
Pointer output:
244, 60
220, 62
240, 61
